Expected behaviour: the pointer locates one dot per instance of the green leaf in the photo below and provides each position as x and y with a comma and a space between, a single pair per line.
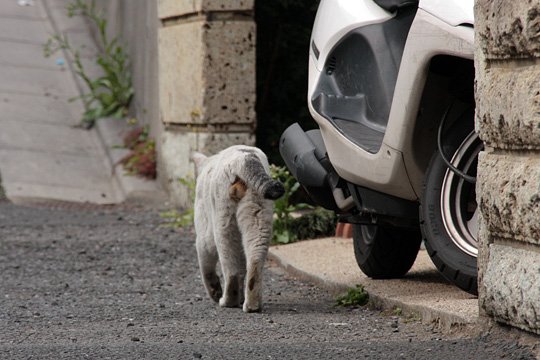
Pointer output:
283, 238
356, 296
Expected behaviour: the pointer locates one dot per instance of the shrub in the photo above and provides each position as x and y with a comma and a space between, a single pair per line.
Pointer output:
315, 223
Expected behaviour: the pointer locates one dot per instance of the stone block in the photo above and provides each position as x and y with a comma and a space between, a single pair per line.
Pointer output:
508, 29
174, 8
508, 106
484, 241
511, 293
176, 148
181, 86
230, 75
207, 73
508, 195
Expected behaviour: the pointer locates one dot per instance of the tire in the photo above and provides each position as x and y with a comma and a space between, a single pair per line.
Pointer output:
385, 252
448, 211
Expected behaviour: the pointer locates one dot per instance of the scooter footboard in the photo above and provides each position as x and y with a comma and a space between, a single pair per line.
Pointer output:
304, 154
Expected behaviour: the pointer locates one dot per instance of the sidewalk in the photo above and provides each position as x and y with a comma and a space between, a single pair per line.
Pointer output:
43, 156
330, 263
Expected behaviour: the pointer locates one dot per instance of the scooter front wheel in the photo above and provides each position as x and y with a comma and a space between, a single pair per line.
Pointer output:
385, 252
449, 213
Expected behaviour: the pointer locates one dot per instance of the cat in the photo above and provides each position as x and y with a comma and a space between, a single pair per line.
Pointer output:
233, 223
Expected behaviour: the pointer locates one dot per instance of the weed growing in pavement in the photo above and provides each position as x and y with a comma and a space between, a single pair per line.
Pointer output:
185, 218
405, 316
411, 317
111, 93
356, 296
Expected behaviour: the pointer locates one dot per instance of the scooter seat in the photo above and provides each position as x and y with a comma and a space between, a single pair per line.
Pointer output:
393, 5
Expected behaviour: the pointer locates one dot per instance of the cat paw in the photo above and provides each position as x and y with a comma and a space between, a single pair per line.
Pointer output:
216, 294
251, 308
223, 302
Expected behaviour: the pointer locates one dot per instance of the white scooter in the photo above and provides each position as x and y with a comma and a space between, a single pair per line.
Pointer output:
391, 87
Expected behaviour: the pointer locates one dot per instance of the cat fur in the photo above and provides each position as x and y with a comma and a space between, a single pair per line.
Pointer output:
233, 223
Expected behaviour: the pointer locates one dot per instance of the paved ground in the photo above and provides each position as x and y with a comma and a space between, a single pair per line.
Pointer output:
111, 283
331, 263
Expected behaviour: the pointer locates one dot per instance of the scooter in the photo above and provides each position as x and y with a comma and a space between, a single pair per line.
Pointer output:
391, 88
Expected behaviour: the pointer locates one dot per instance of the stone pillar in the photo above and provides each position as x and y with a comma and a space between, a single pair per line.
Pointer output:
507, 64
206, 82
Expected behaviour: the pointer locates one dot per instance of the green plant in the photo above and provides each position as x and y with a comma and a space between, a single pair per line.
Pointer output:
411, 317
356, 296
317, 223
141, 160
111, 93
136, 136
185, 218
283, 209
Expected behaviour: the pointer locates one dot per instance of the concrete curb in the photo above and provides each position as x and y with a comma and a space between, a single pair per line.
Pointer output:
330, 263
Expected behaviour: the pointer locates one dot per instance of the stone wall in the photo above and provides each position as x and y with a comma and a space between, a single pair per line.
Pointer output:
507, 64
206, 81
193, 67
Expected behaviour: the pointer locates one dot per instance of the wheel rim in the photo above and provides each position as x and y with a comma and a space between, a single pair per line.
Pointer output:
368, 233
458, 198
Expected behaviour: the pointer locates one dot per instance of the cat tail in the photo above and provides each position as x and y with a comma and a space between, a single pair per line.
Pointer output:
255, 176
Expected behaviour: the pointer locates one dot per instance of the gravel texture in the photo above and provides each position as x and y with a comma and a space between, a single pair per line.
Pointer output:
82, 282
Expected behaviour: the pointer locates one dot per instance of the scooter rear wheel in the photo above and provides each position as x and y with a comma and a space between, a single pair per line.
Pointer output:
448, 211
385, 252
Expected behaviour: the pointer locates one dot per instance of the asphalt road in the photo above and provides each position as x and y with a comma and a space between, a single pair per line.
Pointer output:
111, 283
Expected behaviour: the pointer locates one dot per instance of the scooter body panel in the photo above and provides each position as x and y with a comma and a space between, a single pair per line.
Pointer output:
429, 36
393, 169
392, 92
452, 12
335, 18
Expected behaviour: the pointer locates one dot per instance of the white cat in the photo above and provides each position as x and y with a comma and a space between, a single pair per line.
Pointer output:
233, 222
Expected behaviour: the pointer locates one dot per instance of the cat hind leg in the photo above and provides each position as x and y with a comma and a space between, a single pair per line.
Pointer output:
208, 258
255, 221
232, 260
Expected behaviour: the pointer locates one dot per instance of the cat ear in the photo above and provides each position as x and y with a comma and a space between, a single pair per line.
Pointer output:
198, 159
